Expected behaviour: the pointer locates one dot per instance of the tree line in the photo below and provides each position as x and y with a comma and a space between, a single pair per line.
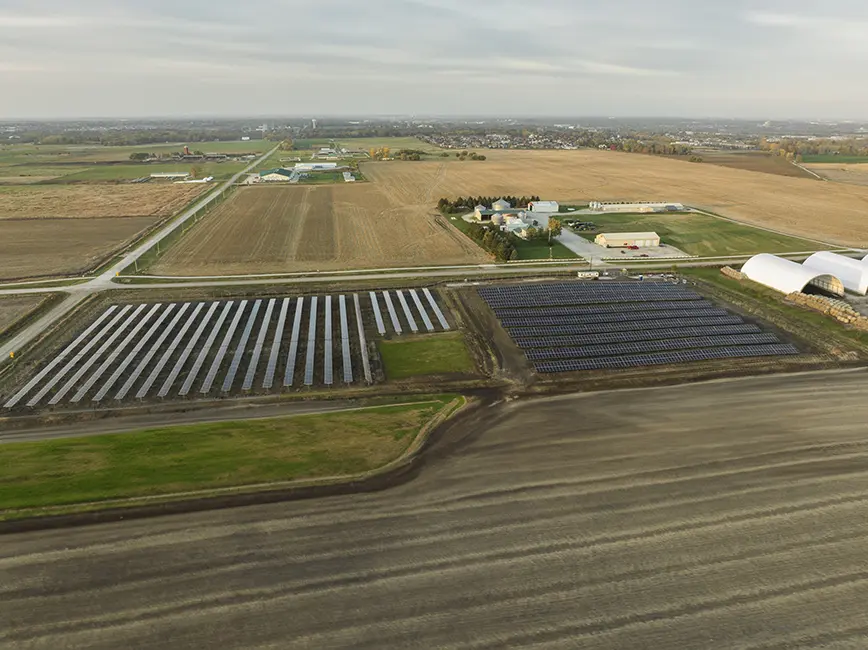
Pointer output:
463, 204
794, 149
495, 241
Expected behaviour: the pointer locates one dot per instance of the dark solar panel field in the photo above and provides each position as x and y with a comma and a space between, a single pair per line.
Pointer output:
575, 326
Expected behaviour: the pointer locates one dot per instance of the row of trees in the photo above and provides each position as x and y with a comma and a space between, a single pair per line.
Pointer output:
495, 241
464, 204
795, 149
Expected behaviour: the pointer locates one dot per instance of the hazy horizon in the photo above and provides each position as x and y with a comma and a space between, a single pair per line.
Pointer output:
748, 59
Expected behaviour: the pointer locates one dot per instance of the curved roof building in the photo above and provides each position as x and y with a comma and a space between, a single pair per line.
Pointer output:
786, 276
852, 273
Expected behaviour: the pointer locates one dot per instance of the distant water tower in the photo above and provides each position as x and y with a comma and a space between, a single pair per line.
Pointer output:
313, 124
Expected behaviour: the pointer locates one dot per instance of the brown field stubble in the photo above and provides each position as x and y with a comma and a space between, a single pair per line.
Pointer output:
804, 207
855, 174
91, 202
47, 247
13, 308
328, 227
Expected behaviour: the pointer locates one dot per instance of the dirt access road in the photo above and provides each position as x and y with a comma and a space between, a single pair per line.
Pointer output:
719, 515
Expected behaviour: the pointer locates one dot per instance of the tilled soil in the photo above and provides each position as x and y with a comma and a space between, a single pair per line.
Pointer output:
720, 515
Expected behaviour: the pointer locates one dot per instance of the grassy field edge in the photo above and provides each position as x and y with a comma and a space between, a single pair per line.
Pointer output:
450, 409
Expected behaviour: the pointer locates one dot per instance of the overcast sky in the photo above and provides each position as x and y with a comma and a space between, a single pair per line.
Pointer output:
726, 58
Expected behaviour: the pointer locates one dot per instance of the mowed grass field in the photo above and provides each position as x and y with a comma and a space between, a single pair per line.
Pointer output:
425, 355
27, 163
108, 173
204, 456
796, 206
699, 234
274, 229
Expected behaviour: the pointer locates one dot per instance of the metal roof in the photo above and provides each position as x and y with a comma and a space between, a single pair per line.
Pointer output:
787, 276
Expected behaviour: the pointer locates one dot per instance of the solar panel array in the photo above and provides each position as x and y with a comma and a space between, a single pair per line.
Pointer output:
171, 350
580, 326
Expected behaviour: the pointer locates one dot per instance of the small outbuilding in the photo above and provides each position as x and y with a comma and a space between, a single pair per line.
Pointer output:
627, 239
787, 276
544, 206
852, 273
500, 205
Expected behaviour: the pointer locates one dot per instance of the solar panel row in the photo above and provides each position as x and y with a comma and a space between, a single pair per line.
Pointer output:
624, 337
345, 341
581, 319
328, 366
598, 328
311, 344
665, 358
240, 348
616, 349
363, 344
611, 308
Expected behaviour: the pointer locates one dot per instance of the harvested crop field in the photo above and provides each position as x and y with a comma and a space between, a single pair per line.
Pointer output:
755, 161
92, 202
710, 516
855, 174
14, 308
50, 247
798, 206
284, 229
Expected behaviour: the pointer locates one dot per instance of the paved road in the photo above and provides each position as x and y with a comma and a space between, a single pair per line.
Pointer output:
721, 515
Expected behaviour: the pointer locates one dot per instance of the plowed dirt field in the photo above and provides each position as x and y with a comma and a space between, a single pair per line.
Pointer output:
49, 247
298, 228
90, 202
799, 206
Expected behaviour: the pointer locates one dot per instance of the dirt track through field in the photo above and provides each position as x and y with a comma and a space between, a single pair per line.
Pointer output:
799, 206
721, 515
326, 227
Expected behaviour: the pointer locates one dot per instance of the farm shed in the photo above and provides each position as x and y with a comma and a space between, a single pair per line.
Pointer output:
544, 206
279, 174
852, 273
500, 205
786, 276
627, 239
312, 167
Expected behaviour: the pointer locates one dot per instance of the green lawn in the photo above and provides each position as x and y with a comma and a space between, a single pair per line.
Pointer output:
829, 158
196, 457
699, 234
425, 354
46, 154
